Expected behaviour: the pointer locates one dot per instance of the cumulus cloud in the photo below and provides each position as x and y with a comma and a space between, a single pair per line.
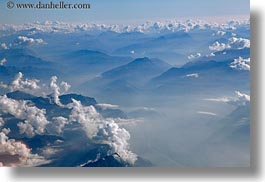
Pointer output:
22, 40
240, 99
233, 43
3, 61
56, 90
104, 131
194, 56
193, 75
2, 122
210, 55
34, 118
33, 86
219, 33
57, 124
241, 64
25, 85
98, 129
65, 86
15, 153
239, 43
217, 46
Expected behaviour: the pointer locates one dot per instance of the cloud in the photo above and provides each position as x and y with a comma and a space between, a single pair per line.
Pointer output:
210, 55
32, 86
57, 124
127, 122
2, 122
193, 75
24, 85
224, 99
194, 56
216, 46
56, 90
149, 27
22, 40
98, 129
3, 61
219, 33
15, 153
3, 85
65, 86
241, 64
107, 106
3, 46
240, 99
34, 118
233, 43
48, 151
206, 113
104, 131
239, 43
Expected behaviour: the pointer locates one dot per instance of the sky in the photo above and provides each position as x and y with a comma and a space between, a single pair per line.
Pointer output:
124, 11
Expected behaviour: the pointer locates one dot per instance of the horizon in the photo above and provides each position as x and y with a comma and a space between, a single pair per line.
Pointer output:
206, 19
108, 12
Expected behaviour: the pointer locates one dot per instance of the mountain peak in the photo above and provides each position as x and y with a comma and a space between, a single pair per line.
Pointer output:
89, 52
143, 60
19, 95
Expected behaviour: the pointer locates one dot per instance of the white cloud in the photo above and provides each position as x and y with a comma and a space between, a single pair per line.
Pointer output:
216, 46
22, 40
240, 99
233, 43
3, 46
241, 64
2, 122
33, 86
65, 87
3, 85
224, 99
34, 118
56, 90
127, 122
194, 56
105, 131
108, 106
25, 85
239, 43
206, 113
219, 33
3, 61
48, 151
15, 153
193, 75
57, 124
210, 55
171, 25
